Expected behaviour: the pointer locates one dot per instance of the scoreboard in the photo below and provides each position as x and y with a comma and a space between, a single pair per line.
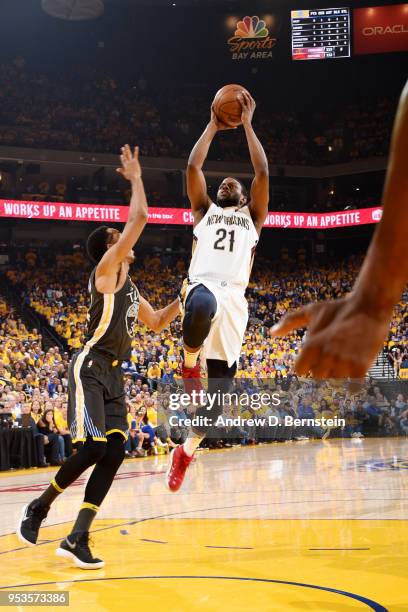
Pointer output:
320, 33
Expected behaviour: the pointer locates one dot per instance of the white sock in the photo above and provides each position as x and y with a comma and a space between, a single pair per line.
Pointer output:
190, 359
191, 444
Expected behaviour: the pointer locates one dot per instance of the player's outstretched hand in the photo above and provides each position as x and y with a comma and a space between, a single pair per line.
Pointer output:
130, 169
343, 339
219, 124
248, 107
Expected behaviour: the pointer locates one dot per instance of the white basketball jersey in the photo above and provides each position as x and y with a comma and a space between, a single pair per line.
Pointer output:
224, 243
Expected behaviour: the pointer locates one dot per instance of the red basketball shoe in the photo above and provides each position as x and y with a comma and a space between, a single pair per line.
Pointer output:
178, 464
190, 372
191, 378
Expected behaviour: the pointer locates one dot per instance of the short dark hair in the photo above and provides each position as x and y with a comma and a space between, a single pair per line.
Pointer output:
244, 189
97, 243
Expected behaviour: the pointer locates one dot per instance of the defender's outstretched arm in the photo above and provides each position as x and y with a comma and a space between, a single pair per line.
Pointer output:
107, 268
158, 320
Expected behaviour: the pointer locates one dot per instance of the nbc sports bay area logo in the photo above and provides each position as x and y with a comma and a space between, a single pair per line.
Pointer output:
251, 40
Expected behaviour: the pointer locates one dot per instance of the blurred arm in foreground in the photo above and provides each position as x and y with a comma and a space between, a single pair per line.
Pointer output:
345, 335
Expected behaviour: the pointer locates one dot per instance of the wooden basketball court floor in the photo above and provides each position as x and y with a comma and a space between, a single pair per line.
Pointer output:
294, 526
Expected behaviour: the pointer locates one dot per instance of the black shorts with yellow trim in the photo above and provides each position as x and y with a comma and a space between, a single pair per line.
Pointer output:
96, 397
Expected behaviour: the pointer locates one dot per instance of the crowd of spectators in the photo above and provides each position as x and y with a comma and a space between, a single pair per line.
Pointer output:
85, 190
33, 385
305, 410
33, 378
82, 189
96, 113
55, 289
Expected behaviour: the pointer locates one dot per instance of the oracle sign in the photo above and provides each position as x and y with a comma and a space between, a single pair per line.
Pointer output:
381, 29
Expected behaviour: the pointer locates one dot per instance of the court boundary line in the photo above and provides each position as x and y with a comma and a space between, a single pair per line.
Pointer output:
360, 598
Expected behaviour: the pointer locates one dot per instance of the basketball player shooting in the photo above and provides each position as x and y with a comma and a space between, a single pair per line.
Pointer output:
216, 312
97, 409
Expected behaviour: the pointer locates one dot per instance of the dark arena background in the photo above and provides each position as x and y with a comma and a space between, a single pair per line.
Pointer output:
273, 515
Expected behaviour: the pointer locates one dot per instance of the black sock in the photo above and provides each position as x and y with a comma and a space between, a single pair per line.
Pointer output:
85, 517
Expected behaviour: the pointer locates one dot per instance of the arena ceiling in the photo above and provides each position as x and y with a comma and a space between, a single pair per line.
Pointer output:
78, 10
245, 4
221, 4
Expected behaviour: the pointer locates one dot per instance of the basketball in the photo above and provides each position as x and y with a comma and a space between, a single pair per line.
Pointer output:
227, 106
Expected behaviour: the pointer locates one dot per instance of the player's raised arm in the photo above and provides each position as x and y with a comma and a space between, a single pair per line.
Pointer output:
108, 266
386, 262
158, 319
345, 335
259, 197
196, 183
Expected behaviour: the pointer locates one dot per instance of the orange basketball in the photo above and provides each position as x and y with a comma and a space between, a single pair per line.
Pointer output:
227, 106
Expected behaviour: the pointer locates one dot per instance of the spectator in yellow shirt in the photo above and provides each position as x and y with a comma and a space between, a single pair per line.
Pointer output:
154, 371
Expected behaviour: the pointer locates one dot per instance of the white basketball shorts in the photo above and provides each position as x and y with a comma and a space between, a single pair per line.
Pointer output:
228, 326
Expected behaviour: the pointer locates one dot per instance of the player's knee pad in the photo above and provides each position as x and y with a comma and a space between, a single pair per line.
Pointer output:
93, 451
115, 451
90, 453
200, 309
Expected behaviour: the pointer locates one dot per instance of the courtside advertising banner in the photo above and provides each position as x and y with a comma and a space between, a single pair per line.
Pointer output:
56, 211
381, 29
